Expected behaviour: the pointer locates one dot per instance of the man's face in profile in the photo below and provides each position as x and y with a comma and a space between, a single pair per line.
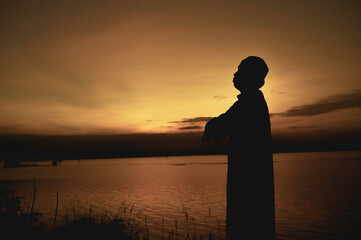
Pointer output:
240, 78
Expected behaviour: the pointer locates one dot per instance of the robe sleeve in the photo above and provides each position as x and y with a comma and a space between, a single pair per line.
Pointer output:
220, 127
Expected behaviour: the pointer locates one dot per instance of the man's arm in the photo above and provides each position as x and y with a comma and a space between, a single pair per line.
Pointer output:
220, 127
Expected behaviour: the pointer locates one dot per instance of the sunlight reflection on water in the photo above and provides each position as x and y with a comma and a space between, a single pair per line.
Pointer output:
318, 195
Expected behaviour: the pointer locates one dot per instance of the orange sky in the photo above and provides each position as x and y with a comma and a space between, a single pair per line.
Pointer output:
75, 67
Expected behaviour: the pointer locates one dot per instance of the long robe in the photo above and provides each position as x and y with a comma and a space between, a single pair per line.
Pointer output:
250, 184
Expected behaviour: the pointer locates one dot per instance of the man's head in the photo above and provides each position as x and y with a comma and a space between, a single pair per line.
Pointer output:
251, 74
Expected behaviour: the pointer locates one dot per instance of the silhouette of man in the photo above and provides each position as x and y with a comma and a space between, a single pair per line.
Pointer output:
250, 187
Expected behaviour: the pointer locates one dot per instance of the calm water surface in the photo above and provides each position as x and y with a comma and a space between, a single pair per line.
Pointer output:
318, 195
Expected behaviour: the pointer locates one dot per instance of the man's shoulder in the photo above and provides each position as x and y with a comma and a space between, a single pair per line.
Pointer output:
236, 105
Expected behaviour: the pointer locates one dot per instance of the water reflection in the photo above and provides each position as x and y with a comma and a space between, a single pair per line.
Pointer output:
318, 195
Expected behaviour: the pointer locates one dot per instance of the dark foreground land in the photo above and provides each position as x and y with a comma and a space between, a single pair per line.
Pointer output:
16, 224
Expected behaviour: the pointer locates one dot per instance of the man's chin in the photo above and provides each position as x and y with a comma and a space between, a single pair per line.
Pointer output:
236, 86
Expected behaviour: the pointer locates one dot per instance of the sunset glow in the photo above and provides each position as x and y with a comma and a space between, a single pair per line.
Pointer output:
147, 66
121, 119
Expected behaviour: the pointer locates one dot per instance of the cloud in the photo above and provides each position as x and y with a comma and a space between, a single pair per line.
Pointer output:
192, 127
326, 105
217, 97
329, 104
277, 91
191, 123
193, 120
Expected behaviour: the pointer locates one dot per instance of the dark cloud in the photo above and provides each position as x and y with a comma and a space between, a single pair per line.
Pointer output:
217, 97
192, 127
193, 120
329, 104
196, 123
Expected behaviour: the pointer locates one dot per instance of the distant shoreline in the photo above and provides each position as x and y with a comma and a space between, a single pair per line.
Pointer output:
18, 161
17, 148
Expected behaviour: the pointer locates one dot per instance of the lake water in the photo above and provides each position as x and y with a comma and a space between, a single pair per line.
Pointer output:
318, 195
